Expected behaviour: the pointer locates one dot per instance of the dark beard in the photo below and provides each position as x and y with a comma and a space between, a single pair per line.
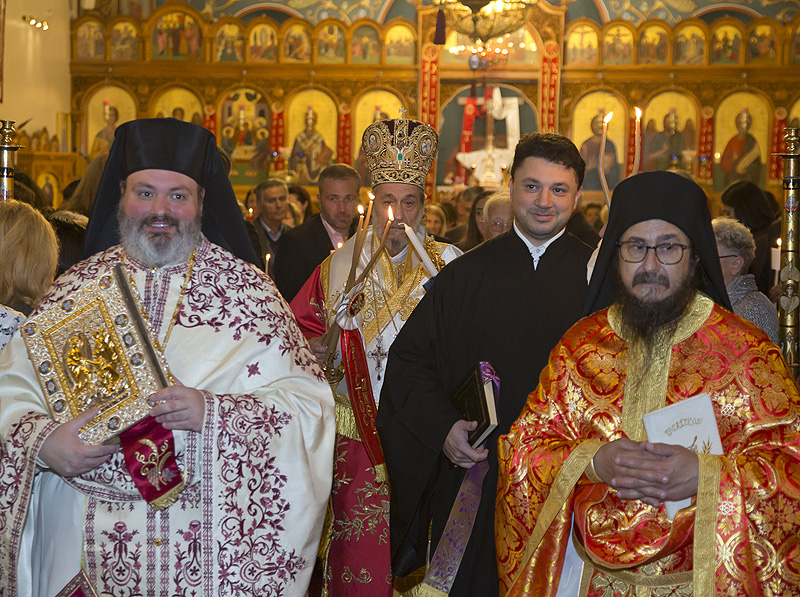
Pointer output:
642, 320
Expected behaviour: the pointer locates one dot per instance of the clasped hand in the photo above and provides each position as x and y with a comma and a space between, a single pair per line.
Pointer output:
652, 473
457, 448
175, 407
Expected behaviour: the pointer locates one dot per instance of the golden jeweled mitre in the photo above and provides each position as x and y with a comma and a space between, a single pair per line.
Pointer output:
399, 150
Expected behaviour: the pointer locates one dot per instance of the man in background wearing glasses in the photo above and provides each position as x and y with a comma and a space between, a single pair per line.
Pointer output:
581, 493
498, 215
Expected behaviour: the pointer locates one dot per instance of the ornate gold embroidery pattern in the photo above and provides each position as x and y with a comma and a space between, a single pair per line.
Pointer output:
153, 464
566, 479
705, 524
646, 387
434, 251
399, 301
649, 577
363, 577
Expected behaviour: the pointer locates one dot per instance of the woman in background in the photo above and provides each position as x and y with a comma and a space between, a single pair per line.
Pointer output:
28, 259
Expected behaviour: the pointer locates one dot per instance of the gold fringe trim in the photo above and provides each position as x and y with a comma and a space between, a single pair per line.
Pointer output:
169, 498
345, 417
424, 590
705, 524
381, 476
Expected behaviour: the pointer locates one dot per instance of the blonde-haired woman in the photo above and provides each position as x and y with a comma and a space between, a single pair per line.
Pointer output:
28, 258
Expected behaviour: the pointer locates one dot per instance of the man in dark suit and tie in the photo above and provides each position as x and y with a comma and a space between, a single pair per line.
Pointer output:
303, 248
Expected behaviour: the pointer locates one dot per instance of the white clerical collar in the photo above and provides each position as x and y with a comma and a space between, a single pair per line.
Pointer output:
537, 252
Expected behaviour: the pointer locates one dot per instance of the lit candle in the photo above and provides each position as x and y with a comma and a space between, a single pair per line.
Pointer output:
423, 254
601, 160
637, 141
266, 262
250, 217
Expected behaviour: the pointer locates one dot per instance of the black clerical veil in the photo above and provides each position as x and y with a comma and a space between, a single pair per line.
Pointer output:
168, 144
657, 196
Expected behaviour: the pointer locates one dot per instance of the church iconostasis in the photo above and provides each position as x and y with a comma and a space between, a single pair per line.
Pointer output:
715, 98
250, 83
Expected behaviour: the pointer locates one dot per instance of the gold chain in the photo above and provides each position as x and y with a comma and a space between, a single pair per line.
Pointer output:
177, 309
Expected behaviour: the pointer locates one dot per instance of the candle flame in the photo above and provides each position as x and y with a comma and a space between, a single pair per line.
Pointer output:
608, 118
338, 245
780, 242
371, 196
361, 209
267, 256
391, 214
638, 111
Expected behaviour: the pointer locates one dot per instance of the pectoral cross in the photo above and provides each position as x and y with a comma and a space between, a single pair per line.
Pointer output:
378, 354
403, 112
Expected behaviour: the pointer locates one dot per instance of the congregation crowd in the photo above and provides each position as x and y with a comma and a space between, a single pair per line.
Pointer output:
306, 442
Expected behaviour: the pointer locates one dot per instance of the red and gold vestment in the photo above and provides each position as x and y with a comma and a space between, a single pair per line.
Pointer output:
739, 537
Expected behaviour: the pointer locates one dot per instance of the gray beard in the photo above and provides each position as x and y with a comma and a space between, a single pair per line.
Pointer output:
159, 250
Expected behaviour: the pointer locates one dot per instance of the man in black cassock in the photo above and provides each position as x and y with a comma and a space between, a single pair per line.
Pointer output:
507, 302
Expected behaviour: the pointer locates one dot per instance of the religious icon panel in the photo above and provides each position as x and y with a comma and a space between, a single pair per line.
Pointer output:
669, 138
177, 36
689, 46
90, 42
582, 45
653, 45
400, 45
726, 46
366, 46
741, 140
245, 131
762, 46
229, 44
124, 41
263, 43
180, 103
587, 129
618, 46
297, 44
331, 45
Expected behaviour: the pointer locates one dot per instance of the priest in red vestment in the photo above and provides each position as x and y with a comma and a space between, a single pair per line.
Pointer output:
581, 505
399, 154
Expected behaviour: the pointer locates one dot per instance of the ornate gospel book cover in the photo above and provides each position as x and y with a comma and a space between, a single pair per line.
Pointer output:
95, 348
689, 423
79, 587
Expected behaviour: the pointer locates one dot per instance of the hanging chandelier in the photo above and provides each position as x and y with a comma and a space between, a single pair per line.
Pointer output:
482, 19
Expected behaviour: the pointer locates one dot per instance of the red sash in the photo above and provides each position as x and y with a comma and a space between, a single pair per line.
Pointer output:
149, 452
361, 398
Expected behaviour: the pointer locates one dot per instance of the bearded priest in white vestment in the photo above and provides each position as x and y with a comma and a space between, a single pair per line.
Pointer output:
399, 153
250, 414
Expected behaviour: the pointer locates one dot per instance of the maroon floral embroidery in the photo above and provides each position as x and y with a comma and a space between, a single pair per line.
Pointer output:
18, 454
228, 294
253, 370
251, 556
188, 569
120, 562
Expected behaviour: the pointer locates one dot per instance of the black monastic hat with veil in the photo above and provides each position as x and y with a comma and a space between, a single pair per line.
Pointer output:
657, 196
169, 144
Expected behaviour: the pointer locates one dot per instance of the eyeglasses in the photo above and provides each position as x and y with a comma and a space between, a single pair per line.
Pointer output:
635, 252
726, 256
498, 226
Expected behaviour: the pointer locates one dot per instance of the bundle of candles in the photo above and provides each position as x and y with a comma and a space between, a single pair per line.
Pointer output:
331, 337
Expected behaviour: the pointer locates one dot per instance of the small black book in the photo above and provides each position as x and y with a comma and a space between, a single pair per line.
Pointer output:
474, 398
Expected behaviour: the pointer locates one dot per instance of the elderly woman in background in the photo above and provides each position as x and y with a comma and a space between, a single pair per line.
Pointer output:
28, 259
737, 249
